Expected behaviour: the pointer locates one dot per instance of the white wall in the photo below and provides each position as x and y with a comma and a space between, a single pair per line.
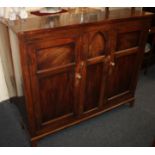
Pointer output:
7, 86
3, 88
6, 60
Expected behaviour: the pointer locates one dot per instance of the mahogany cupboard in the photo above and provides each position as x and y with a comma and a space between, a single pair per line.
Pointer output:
78, 69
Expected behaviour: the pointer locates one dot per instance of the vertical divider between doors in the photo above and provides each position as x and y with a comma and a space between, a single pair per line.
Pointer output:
110, 57
102, 98
81, 72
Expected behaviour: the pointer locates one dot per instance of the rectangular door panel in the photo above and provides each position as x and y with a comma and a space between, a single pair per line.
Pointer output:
57, 95
121, 77
93, 86
56, 56
127, 40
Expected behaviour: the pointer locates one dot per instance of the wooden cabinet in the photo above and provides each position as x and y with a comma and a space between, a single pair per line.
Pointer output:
75, 72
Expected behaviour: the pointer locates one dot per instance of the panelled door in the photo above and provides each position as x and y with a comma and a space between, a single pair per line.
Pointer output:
95, 52
53, 63
126, 53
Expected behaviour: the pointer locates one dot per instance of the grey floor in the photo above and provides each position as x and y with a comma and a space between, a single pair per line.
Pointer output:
123, 126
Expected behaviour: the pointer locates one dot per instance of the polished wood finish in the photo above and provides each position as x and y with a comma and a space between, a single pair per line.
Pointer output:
80, 69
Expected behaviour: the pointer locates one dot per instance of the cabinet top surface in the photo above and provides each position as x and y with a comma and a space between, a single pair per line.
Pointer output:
72, 17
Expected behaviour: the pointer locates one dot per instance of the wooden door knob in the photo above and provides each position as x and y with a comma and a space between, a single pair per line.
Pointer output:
112, 63
82, 64
78, 76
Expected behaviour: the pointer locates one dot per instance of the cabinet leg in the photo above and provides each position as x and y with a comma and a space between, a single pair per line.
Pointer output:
34, 143
131, 104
